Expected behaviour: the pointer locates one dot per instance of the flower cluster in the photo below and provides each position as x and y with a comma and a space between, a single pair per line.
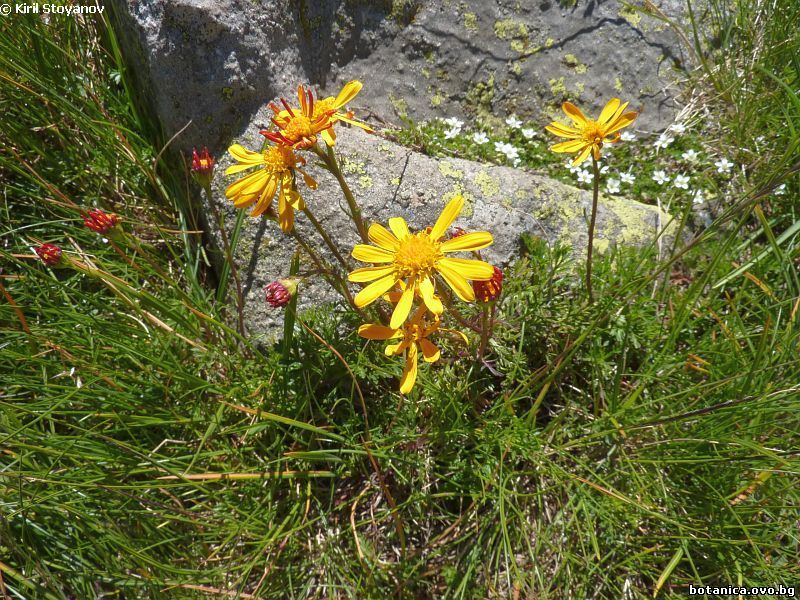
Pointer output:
275, 168
409, 268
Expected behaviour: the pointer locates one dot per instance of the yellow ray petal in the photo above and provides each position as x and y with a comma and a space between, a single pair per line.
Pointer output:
622, 121
429, 352
265, 199
233, 169
329, 135
574, 113
243, 155
349, 91
608, 111
372, 254
409, 377
380, 236
249, 185
374, 291
399, 227
433, 303
570, 146
449, 214
476, 240
563, 130
402, 308
366, 274
348, 120
371, 331
477, 270
582, 156
460, 285
285, 213
395, 349
617, 113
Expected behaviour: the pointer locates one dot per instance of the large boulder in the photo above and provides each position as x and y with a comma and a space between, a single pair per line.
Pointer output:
391, 180
214, 63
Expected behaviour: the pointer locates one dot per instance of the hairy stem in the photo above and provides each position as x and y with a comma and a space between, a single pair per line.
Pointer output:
590, 248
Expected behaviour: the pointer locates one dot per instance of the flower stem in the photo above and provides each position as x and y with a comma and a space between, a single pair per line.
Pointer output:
228, 256
332, 164
484, 330
592, 220
328, 241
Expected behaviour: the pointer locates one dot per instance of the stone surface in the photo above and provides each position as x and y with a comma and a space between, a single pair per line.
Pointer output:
391, 180
214, 63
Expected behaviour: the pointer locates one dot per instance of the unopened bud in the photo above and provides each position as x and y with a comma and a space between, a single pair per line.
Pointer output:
202, 166
487, 291
100, 221
50, 254
280, 292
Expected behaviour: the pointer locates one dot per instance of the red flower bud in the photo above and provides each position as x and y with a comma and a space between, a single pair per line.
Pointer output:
202, 166
457, 232
486, 291
49, 253
280, 292
100, 221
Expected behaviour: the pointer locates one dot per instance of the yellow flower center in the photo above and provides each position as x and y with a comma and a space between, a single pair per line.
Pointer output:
298, 128
323, 106
417, 255
593, 133
278, 159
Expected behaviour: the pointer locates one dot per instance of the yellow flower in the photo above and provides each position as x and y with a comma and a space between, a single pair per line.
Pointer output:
299, 127
412, 338
414, 259
277, 173
587, 135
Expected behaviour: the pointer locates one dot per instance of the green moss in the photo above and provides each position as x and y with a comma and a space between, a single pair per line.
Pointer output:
365, 181
548, 43
437, 98
227, 93
581, 69
353, 167
571, 60
480, 96
631, 15
489, 186
442, 75
518, 46
618, 84
580, 87
558, 87
516, 68
395, 181
426, 72
430, 56
448, 170
600, 245
387, 149
507, 29
400, 105
471, 21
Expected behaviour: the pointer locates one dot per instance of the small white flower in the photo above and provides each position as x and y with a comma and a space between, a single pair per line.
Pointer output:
454, 123
627, 136
479, 137
572, 168
691, 156
529, 133
585, 176
663, 141
678, 128
780, 190
698, 198
660, 177
451, 133
723, 165
603, 169
612, 186
509, 150
682, 181
628, 177
513, 122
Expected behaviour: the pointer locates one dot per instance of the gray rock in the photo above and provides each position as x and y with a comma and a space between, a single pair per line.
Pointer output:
214, 63
391, 180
